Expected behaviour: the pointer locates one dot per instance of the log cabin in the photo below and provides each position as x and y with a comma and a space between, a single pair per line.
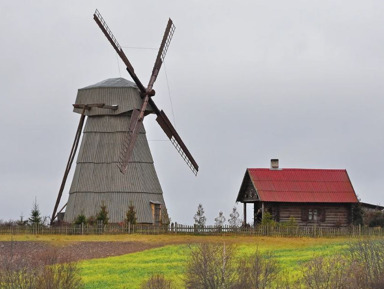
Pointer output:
321, 197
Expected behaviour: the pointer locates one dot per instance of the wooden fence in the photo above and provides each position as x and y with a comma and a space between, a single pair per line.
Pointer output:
174, 228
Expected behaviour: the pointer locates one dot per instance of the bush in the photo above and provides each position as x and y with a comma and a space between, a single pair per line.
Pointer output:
331, 273
199, 217
257, 271
130, 216
268, 220
213, 266
91, 220
157, 282
368, 255
210, 266
362, 267
102, 216
80, 219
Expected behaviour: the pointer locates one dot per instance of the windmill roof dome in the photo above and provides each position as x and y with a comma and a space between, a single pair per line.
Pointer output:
112, 82
112, 92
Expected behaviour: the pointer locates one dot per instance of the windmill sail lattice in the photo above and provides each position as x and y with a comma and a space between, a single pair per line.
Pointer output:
147, 93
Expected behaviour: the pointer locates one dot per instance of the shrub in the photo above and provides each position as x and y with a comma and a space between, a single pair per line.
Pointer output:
80, 219
357, 214
257, 271
362, 267
268, 220
130, 216
210, 266
368, 255
102, 216
157, 282
234, 221
199, 217
91, 220
220, 220
331, 273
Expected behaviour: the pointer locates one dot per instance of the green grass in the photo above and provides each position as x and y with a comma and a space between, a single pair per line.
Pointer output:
129, 271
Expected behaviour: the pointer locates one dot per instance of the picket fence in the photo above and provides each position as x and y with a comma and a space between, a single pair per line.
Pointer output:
175, 228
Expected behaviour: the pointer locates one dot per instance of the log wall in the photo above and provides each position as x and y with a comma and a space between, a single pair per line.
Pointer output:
328, 215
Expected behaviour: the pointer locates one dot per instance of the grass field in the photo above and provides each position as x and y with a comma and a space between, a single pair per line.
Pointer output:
130, 270
172, 252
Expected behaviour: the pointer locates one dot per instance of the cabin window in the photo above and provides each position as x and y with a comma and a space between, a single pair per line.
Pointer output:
312, 214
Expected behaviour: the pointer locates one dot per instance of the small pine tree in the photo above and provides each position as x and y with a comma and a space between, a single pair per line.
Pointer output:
81, 219
292, 222
357, 214
130, 216
35, 218
220, 220
234, 220
268, 220
102, 216
199, 217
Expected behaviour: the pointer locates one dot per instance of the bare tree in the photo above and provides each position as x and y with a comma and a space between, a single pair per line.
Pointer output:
234, 218
199, 217
219, 221
257, 271
211, 266
369, 257
328, 273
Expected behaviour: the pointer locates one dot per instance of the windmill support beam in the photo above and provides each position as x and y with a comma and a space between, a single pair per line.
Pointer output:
69, 163
245, 213
60, 210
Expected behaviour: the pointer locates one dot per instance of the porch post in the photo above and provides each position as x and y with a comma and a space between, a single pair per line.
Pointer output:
245, 213
262, 210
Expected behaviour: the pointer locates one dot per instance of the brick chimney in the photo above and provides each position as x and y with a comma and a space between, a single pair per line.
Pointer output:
274, 164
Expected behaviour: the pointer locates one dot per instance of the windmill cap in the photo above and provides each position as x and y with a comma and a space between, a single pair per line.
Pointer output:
113, 92
112, 82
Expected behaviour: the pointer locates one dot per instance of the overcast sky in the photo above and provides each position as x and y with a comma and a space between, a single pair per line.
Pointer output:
245, 81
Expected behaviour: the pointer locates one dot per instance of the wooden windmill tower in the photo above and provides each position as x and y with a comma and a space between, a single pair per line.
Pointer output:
114, 165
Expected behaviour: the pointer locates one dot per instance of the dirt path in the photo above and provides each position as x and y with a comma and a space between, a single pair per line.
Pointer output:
28, 250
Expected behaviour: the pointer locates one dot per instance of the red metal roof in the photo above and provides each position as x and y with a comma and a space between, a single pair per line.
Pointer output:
303, 185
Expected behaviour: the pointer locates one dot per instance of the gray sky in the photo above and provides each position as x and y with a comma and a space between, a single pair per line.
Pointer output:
301, 81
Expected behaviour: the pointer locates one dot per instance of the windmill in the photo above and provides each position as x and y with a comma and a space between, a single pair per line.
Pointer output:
114, 165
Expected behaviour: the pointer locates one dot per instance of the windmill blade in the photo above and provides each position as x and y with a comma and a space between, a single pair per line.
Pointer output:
168, 34
172, 134
112, 39
129, 141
